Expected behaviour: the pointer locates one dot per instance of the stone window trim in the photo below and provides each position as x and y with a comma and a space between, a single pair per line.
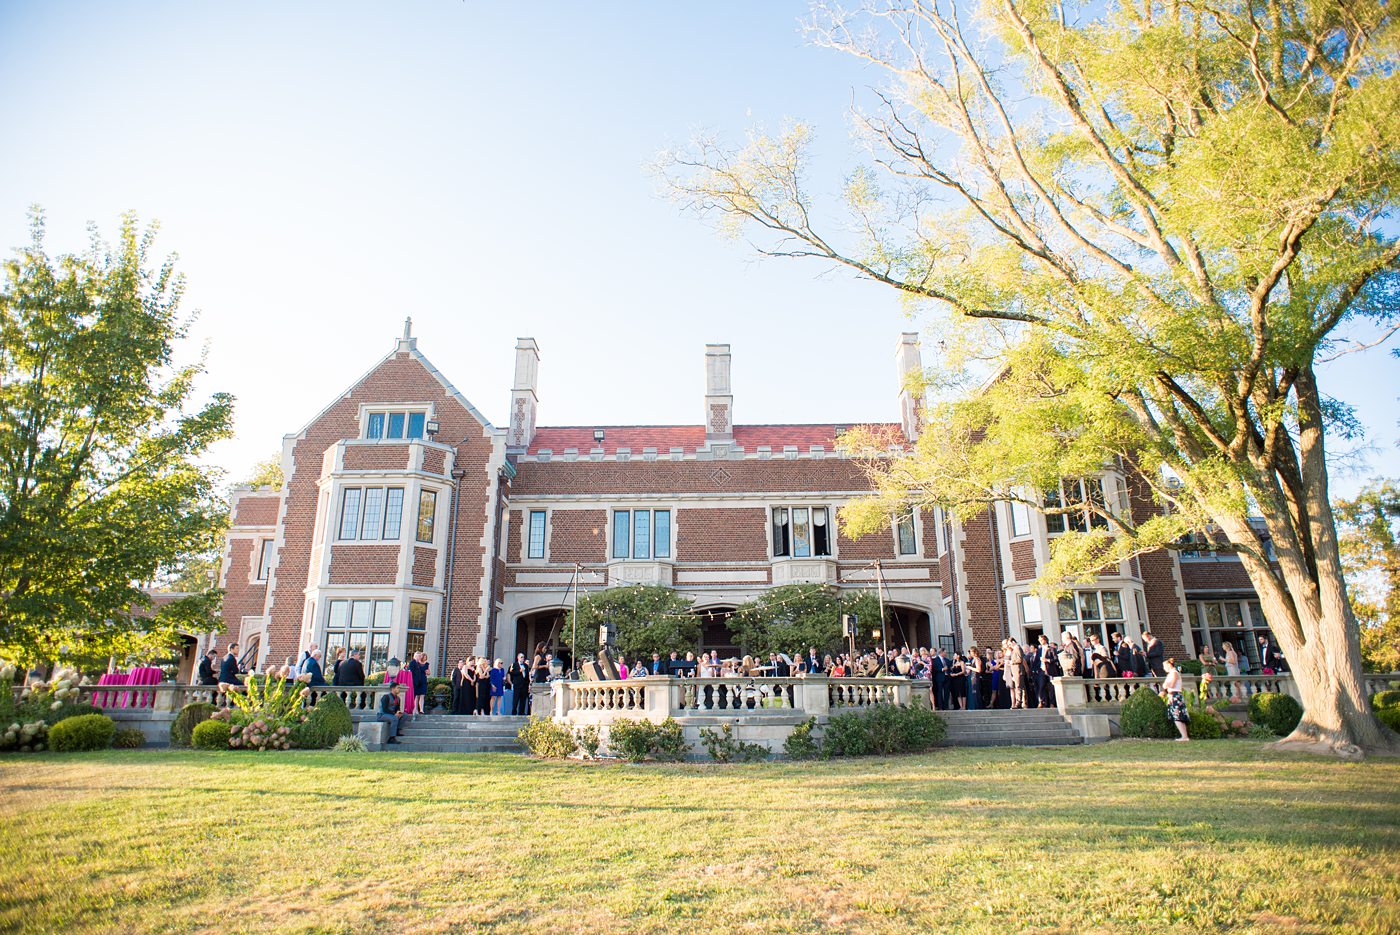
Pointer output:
389, 505
1081, 492
908, 544
534, 536
264, 550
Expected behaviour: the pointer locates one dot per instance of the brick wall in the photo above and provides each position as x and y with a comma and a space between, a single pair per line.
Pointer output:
1158, 571
424, 567
725, 534
982, 577
242, 598
380, 456
434, 461
1023, 567
578, 536
1214, 575
879, 544
256, 510
364, 564
777, 475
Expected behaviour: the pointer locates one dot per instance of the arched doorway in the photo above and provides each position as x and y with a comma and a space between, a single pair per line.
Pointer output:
909, 626
547, 626
714, 631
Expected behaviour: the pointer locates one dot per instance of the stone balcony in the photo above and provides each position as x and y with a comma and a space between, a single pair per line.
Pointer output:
621, 574
804, 571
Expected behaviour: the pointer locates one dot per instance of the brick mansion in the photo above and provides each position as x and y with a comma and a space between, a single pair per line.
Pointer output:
407, 521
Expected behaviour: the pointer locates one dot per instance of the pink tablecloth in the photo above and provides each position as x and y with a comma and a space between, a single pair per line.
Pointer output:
143, 676
404, 678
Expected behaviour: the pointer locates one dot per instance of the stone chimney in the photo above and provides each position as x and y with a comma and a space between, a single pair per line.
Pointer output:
909, 365
719, 397
408, 342
524, 398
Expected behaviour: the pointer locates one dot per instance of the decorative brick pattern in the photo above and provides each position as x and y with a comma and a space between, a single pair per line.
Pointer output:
434, 461
552, 478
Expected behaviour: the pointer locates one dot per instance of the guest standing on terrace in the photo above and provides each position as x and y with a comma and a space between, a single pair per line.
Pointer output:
418, 668
1176, 704
1155, 652
229, 669
1014, 672
520, 686
206, 669
483, 686
351, 671
497, 676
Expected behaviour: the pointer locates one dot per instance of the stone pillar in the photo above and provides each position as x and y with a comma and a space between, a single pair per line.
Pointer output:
659, 698
524, 395
1070, 695
910, 367
813, 695
541, 704
719, 396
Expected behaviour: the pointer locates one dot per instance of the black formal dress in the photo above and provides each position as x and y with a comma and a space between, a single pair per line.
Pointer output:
483, 694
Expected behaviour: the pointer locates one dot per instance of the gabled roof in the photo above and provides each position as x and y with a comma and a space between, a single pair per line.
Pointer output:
690, 438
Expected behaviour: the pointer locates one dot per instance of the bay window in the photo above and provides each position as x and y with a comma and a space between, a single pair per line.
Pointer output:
370, 512
1082, 502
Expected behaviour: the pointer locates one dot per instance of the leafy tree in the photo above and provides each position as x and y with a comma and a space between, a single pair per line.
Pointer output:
267, 473
795, 617
1371, 557
649, 619
101, 485
1153, 222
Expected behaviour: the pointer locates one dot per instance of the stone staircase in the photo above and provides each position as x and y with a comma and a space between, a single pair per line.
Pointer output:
1031, 727
446, 733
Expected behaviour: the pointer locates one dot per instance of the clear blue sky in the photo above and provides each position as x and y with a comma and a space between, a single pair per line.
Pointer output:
325, 169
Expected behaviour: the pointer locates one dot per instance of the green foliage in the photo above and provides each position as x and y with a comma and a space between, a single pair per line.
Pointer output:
543, 737
884, 730
83, 732
635, 741
649, 619
184, 724
439, 692
1205, 724
274, 702
1144, 714
1367, 526
724, 747
1278, 712
350, 743
266, 473
794, 617
1390, 717
210, 735
800, 744
102, 447
589, 739
129, 738
24, 736
66, 710
1190, 666
1385, 699
327, 723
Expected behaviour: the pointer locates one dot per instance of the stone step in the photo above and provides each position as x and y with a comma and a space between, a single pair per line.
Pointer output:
448, 736
1034, 741
410, 745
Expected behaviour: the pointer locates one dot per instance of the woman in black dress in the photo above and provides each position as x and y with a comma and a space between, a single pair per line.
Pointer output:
483, 686
459, 688
957, 678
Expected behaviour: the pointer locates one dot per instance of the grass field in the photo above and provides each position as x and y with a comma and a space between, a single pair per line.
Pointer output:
1128, 836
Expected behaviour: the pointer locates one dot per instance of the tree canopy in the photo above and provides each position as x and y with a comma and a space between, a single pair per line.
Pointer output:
648, 618
793, 618
1151, 223
1371, 557
102, 488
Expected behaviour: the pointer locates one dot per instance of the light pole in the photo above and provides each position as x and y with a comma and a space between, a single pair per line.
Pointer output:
884, 630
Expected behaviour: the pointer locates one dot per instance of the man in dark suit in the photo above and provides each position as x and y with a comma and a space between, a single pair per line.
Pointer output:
206, 668
1049, 670
1270, 658
391, 711
1156, 653
228, 669
351, 671
781, 669
939, 669
519, 676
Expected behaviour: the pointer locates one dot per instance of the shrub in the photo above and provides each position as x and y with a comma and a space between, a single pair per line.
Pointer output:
589, 740
1190, 667
327, 723
884, 730
84, 732
1145, 715
1390, 717
260, 734
1279, 713
69, 709
545, 738
25, 737
1205, 724
129, 738
210, 735
631, 740
724, 747
800, 744
1385, 699
184, 724
350, 743
670, 742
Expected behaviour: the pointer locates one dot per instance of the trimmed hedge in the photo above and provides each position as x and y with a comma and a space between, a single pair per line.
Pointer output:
83, 732
883, 730
190, 716
1385, 699
1390, 717
129, 738
327, 723
210, 735
1279, 713
1204, 725
1145, 715
635, 741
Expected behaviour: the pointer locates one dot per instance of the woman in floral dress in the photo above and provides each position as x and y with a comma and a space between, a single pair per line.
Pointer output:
1176, 702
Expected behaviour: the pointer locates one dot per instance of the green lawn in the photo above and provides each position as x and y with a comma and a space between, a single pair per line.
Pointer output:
1128, 836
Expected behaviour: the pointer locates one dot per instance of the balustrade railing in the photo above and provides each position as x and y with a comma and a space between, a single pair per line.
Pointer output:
735, 695
656, 698
173, 697
1108, 695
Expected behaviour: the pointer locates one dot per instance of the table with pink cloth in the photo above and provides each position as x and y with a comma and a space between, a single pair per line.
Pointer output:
404, 678
148, 675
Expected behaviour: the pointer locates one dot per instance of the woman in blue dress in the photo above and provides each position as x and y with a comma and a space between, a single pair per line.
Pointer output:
498, 686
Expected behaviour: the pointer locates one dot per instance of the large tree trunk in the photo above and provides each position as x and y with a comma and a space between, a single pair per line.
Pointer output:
1322, 646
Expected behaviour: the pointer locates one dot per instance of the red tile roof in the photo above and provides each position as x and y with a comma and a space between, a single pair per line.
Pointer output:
690, 437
